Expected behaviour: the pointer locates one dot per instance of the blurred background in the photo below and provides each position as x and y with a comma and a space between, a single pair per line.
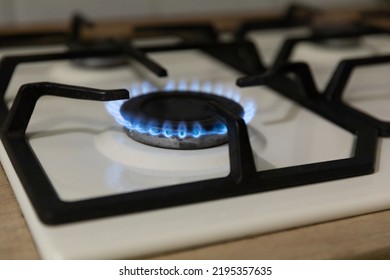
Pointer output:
38, 11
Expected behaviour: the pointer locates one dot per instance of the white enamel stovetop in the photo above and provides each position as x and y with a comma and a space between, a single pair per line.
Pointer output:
86, 154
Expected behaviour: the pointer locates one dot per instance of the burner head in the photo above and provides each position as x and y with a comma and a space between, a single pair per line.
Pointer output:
176, 119
98, 62
338, 36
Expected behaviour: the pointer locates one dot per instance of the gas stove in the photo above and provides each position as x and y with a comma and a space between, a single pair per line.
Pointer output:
130, 149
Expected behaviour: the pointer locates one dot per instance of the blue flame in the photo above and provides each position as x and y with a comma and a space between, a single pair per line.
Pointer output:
182, 131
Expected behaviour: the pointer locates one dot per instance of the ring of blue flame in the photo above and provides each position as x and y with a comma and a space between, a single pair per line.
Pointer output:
182, 131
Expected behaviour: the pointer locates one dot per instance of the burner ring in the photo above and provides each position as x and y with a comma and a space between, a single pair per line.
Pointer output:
176, 119
98, 62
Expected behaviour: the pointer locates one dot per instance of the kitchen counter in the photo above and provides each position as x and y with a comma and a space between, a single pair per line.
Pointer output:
361, 237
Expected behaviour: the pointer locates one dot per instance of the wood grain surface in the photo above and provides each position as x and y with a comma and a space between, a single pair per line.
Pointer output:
15, 239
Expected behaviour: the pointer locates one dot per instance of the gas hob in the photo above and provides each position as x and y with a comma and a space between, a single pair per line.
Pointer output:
86, 155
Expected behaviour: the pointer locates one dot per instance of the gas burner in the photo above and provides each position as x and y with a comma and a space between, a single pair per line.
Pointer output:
100, 62
176, 119
333, 34
78, 43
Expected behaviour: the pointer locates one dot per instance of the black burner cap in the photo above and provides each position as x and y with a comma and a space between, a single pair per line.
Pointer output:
337, 35
99, 45
177, 109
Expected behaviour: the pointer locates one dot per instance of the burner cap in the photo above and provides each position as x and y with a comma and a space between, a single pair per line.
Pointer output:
337, 33
98, 62
176, 119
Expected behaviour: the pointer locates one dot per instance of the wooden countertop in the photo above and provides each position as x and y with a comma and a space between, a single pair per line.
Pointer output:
124, 27
361, 237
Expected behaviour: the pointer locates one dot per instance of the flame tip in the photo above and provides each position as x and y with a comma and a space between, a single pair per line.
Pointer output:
182, 131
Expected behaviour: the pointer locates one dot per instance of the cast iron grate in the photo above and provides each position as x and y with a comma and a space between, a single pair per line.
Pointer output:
336, 87
238, 55
243, 178
185, 31
341, 75
358, 30
294, 16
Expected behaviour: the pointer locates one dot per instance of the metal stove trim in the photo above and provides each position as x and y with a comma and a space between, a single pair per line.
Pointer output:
335, 88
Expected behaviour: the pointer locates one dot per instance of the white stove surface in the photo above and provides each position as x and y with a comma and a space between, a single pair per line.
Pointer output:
86, 154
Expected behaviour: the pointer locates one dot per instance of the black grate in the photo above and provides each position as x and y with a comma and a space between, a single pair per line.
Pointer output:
294, 16
186, 31
336, 86
355, 32
243, 178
